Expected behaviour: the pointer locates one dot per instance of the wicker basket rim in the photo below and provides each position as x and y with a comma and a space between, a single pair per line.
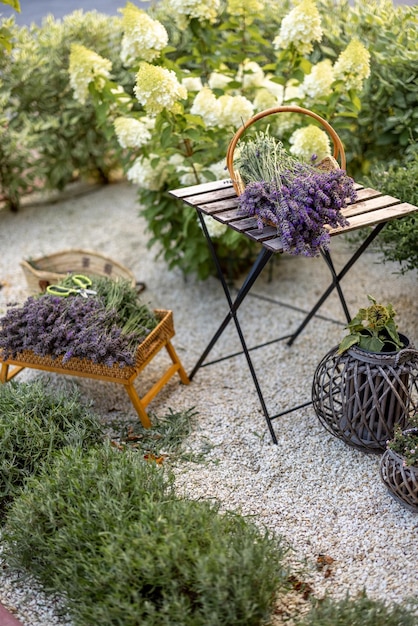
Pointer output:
338, 152
32, 262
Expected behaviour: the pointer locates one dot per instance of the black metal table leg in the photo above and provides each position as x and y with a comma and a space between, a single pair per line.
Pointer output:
252, 276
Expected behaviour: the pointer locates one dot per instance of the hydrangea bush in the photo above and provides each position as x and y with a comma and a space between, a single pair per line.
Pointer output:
200, 71
183, 77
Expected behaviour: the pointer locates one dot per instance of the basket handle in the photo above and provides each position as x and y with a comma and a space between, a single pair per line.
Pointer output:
338, 146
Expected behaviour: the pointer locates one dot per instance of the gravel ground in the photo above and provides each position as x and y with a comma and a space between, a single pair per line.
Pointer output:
322, 496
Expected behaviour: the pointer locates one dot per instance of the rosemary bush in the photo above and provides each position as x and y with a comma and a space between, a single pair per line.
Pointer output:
105, 529
360, 611
398, 241
34, 424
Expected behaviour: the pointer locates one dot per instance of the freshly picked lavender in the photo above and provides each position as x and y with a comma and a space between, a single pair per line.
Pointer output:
299, 198
105, 328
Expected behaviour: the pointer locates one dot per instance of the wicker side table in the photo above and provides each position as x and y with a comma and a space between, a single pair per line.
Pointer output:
158, 338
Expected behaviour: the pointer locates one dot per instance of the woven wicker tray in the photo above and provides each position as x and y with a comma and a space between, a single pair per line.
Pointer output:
158, 338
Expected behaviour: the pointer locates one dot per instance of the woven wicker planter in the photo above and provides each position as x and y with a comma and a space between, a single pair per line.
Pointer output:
401, 481
360, 396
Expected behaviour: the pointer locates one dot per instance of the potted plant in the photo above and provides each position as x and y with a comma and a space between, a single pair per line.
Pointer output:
362, 388
399, 465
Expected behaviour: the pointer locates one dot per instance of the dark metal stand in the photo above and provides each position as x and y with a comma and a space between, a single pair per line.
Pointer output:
234, 304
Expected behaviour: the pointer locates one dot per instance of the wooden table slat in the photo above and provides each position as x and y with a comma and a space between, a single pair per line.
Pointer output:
219, 200
380, 215
193, 190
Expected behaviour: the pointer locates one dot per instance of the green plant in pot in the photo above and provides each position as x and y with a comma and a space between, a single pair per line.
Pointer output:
399, 465
362, 388
373, 329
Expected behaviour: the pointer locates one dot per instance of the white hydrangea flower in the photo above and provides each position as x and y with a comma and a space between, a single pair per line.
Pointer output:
207, 106
353, 65
217, 80
275, 89
185, 10
250, 74
192, 83
215, 228
143, 37
131, 133
234, 110
309, 141
86, 67
300, 28
318, 83
291, 93
147, 175
219, 169
157, 88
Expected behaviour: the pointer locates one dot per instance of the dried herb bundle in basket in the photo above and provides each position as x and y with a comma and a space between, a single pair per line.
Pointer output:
298, 198
106, 327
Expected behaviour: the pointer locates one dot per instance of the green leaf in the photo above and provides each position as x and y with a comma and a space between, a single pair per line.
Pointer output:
347, 342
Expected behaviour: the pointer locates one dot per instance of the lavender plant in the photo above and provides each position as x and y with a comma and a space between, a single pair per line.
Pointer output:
297, 197
92, 328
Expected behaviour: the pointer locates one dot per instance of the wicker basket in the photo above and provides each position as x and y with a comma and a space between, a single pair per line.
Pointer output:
360, 396
50, 269
145, 350
400, 480
327, 163
158, 338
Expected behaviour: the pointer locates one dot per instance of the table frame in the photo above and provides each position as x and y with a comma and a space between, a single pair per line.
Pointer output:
219, 200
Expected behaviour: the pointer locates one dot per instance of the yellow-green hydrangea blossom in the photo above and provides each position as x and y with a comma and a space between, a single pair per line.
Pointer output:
310, 141
207, 106
245, 8
148, 175
131, 133
143, 37
234, 111
264, 99
185, 10
318, 84
353, 65
157, 89
87, 67
300, 28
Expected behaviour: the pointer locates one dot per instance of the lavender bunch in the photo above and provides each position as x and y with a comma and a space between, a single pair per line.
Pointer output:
66, 327
298, 198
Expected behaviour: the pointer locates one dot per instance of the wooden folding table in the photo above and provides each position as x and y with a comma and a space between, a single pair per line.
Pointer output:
371, 211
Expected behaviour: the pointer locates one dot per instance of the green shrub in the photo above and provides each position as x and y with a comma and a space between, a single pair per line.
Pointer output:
361, 611
34, 424
105, 529
51, 137
387, 124
399, 239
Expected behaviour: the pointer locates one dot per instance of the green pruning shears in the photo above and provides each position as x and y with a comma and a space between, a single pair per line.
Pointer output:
78, 279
